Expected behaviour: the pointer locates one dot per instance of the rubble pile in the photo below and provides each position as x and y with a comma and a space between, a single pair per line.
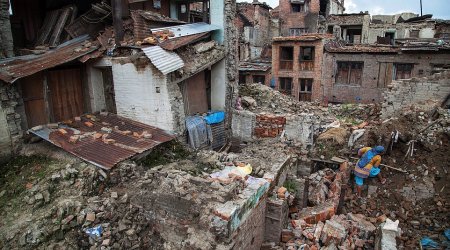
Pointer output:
260, 98
348, 231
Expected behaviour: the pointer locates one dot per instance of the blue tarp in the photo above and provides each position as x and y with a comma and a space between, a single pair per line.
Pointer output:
214, 117
198, 131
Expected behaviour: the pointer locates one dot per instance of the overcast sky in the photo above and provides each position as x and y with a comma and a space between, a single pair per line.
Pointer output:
439, 8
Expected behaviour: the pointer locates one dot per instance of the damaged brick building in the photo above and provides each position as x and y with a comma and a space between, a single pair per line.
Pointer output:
360, 57
153, 79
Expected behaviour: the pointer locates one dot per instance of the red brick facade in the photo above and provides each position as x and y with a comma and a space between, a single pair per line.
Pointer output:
269, 125
300, 70
305, 19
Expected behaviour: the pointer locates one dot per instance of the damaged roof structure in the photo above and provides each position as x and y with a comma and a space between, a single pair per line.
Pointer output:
139, 67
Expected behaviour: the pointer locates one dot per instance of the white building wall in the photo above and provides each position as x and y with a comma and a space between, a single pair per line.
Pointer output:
218, 86
95, 88
137, 97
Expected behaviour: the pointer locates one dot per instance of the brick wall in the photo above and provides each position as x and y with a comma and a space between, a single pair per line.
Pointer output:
289, 19
10, 120
269, 125
370, 91
251, 233
276, 219
423, 93
255, 19
296, 72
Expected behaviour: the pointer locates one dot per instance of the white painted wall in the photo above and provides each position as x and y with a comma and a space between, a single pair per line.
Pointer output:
217, 14
5, 137
218, 86
137, 98
427, 33
96, 89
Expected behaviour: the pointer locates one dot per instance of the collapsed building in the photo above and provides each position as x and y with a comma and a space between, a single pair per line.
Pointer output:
316, 67
148, 75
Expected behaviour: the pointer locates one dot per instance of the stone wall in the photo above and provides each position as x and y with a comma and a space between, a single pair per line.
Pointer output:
243, 124
10, 120
423, 93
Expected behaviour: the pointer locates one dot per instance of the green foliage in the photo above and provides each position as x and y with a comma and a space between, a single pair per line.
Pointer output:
166, 153
290, 186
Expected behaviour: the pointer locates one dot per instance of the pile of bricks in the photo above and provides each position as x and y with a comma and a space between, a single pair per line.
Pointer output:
325, 205
269, 125
340, 232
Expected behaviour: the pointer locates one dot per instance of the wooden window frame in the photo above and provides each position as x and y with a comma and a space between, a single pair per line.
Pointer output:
305, 89
263, 77
286, 64
350, 66
282, 87
402, 67
302, 52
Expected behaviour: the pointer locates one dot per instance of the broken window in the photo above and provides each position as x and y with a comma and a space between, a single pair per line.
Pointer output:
414, 34
306, 53
286, 58
259, 79
297, 31
286, 85
349, 73
403, 70
242, 79
301, 6
305, 89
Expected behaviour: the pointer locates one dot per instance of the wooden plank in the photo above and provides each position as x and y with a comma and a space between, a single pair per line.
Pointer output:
33, 99
66, 93
49, 22
62, 20
381, 75
194, 94
388, 77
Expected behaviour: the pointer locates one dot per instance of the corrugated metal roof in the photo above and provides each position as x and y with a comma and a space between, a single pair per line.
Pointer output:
163, 60
97, 150
15, 68
188, 29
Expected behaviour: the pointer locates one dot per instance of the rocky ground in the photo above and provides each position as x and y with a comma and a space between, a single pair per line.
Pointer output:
50, 200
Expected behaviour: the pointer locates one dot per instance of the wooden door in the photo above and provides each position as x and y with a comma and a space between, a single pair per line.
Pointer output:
384, 74
194, 94
66, 93
33, 99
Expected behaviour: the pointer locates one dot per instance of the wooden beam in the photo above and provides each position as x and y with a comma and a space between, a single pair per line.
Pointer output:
117, 21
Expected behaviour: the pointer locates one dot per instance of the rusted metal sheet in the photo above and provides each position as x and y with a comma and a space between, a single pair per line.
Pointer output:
99, 151
173, 44
18, 67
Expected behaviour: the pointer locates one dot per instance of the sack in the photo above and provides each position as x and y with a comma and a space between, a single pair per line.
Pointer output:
366, 158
